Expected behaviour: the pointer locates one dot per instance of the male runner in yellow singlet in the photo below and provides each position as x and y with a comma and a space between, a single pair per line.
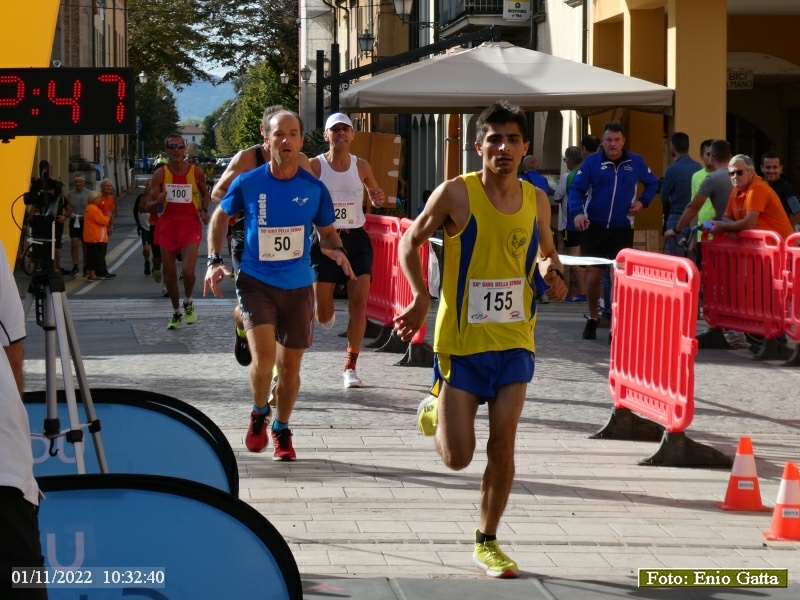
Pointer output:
495, 225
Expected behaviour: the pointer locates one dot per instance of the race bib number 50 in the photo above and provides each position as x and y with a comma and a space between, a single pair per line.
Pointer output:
179, 192
280, 243
496, 301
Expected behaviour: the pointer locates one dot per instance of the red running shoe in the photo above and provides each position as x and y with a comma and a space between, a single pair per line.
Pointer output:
282, 441
256, 438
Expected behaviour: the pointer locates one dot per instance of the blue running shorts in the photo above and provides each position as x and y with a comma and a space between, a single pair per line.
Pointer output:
484, 373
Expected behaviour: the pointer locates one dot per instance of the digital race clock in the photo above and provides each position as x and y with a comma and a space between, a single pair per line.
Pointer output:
66, 101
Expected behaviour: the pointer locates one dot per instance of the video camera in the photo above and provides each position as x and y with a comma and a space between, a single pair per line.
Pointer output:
44, 193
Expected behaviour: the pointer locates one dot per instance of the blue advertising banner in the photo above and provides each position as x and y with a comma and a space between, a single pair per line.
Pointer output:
106, 537
142, 432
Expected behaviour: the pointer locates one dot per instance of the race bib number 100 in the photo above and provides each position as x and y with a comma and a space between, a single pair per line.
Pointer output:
496, 301
280, 243
179, 192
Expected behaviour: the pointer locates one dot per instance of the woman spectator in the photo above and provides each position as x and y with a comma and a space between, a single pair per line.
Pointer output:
95, 236
108, 206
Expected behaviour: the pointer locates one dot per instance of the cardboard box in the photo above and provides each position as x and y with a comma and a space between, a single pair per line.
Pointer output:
382, 152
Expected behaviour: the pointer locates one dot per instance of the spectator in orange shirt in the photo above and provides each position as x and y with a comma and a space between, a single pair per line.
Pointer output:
95, 235
753, 204
108, 205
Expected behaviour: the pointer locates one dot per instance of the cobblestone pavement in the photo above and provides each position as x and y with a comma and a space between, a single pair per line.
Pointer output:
369, 497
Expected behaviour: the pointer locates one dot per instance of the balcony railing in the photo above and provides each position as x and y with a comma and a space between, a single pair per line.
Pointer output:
452, 10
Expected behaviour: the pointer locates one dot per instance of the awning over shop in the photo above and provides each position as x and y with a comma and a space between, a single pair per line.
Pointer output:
468, 80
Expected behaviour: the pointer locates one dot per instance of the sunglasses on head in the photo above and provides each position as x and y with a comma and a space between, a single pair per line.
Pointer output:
736, 173
176, 146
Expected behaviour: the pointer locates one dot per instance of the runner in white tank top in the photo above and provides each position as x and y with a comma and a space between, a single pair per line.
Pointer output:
345, 176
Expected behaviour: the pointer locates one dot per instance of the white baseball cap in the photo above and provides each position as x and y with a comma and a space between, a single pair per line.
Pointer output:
336, 118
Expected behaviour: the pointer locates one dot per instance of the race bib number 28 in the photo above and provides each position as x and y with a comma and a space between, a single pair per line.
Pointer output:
280, 243
496, 300
345, 213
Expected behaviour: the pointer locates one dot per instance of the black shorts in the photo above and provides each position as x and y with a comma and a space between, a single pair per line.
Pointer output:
20, 547
147, 236
236, 233
237, 251
600, 242
76, 231
358, 246
572, 238
59, 234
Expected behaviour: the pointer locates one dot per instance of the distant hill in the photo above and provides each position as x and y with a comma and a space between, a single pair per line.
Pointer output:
199, 100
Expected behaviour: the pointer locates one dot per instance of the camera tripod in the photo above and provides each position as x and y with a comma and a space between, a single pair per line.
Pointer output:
53, 315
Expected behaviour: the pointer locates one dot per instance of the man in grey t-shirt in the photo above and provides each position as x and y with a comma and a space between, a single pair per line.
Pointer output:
717, 187
77, 198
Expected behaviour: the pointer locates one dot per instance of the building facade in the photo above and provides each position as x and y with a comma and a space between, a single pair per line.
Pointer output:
731, 63
89, 33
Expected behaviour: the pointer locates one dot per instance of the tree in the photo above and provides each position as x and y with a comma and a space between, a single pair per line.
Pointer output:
260, 87
223, 130
175, 39
252, 31
239, 120
210, 124
166, 38
157, 113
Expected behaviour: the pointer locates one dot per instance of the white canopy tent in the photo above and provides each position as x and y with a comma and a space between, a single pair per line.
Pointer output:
468, 80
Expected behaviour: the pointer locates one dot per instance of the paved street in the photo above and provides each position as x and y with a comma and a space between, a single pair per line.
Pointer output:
370, 511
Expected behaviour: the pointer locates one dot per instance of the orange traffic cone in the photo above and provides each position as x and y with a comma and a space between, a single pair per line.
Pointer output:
743, 491
786, 518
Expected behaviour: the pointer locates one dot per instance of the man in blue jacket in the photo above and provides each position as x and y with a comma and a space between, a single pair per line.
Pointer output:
609, 181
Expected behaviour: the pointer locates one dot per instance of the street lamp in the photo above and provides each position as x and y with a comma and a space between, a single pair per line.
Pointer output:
305, 74
143, 77
403, 9
140, 138
366, 42
284, 78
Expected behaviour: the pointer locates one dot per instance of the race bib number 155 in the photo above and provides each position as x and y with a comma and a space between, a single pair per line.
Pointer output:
496, 300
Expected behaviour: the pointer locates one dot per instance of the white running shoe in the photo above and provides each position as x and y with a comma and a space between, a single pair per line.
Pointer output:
351, 379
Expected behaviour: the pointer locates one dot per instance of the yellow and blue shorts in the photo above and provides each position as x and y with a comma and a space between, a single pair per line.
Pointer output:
484, 373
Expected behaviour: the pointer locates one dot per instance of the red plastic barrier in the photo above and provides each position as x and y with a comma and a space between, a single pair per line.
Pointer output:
792, 298
403, 294
384, 232
653, 345
743, 286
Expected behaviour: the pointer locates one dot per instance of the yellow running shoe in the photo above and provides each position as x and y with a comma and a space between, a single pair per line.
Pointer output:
176, 321
428, 415
191, 315
490, 558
